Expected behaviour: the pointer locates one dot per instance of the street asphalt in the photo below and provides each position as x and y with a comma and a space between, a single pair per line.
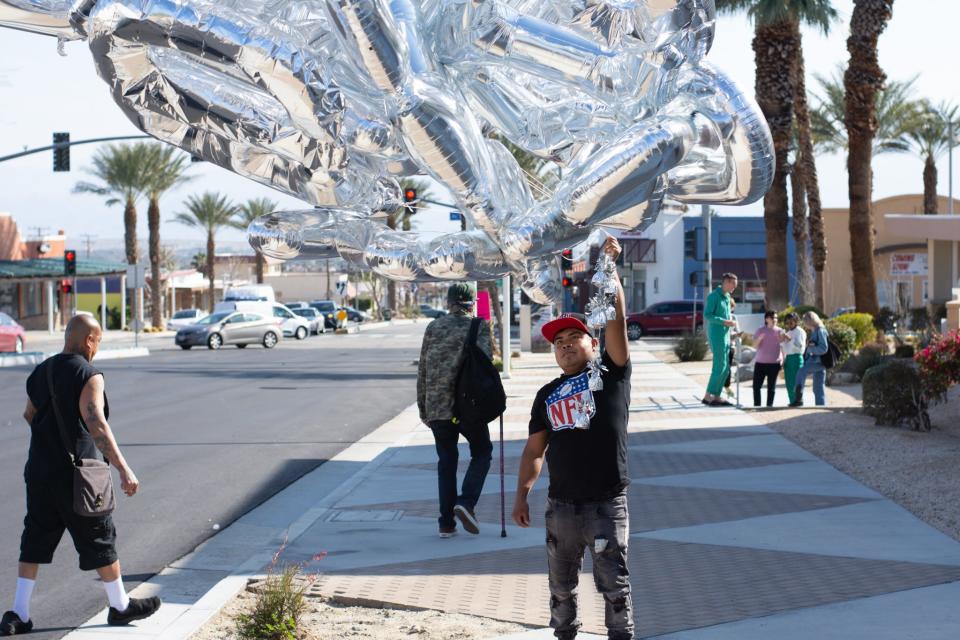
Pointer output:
210, 435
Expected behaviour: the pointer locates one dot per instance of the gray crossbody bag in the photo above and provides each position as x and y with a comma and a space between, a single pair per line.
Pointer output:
92, 482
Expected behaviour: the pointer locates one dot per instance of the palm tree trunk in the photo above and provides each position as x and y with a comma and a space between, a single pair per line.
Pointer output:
130, 230
493, 292
153, 225
391, 285
807, 166
930, 186
261, 262
862, 81
210, 269
775, 47
800, 237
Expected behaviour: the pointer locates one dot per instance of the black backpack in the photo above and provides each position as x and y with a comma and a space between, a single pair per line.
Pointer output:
479, 397
832, 357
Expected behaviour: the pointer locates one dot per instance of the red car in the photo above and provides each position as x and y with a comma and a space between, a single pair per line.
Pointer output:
663, 317
12, 335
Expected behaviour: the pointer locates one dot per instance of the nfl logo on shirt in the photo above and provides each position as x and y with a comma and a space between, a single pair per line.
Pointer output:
571, 399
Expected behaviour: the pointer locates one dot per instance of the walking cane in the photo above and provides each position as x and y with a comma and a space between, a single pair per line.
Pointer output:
503, 508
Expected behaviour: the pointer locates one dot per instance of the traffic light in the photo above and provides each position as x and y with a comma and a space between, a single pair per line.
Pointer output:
409, 195
66, 286
690, 244
567, 282
70, 262
61, 153
567, 254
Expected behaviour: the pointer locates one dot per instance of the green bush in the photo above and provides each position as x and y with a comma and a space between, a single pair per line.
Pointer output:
885, 320
869, 356
919, 318
844, 337
905, 351
800, 310
691, 348
277, 609
862, 325
893, 395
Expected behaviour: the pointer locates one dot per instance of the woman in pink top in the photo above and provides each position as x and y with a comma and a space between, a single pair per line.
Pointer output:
767, 363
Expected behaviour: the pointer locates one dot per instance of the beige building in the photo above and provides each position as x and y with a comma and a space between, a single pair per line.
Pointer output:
904, 241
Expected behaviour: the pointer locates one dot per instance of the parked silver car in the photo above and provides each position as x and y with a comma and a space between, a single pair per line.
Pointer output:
292, 324
239, 328
311, 315
185, 317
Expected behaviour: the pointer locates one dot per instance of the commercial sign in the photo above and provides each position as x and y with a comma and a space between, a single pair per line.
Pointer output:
908, 264
753, 292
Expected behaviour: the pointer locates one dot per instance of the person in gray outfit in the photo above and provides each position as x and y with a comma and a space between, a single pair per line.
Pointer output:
440, 358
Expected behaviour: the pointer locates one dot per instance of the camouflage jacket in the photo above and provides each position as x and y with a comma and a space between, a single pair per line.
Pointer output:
440, 359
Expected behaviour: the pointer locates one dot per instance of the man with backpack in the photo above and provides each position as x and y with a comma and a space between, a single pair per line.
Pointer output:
587, 461
445, 347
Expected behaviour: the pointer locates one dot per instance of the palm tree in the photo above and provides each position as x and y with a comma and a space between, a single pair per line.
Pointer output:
123, 175
927, 135
862, 82
896, 109
210, 212
165, 170
804, 182
776, 47
253, 209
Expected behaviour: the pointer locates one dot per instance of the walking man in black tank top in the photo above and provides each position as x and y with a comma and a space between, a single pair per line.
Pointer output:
582, 433
82, 402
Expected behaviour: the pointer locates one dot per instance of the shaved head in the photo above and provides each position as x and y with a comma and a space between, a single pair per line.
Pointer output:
82, 336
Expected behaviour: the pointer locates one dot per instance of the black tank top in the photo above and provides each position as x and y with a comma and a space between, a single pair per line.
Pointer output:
47, 457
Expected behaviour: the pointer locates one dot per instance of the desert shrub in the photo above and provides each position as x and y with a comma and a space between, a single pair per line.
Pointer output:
868, 357
919, 318
862, 325
691, 347
885, 320
893, 394
843, 336
800, 310
939, 366
277, 608
905, 351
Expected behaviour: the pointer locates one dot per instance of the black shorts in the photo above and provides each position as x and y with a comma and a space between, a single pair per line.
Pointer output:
49, 512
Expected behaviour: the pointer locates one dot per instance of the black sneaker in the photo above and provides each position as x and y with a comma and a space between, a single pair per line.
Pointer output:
467, 519
138, 609
448, 532
12, 625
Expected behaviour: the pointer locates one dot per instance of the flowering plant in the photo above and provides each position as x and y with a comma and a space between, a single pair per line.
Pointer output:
940, 366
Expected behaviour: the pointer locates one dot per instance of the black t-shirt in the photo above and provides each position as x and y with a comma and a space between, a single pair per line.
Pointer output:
47, 457
585, 464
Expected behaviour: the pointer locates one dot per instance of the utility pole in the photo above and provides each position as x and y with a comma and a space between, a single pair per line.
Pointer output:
88, 241
950, 167
706, 214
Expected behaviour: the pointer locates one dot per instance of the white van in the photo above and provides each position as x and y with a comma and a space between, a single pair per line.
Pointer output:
291, 324
250, 293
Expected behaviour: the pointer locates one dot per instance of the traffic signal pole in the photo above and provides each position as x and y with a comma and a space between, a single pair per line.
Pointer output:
74, 143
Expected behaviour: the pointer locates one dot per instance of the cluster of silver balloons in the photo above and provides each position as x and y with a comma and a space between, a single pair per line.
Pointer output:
332, 100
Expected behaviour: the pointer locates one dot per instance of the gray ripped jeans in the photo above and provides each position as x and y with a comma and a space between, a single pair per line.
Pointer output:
604, 528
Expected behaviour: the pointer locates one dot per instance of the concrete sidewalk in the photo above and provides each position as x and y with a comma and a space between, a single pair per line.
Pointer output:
736, 534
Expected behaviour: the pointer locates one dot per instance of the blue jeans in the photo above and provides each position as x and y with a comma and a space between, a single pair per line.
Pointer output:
812, 367
446, 434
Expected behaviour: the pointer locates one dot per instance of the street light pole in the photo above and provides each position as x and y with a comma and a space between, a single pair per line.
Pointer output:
950, 167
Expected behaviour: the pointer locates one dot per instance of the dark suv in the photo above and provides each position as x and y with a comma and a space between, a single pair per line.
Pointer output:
663, 317
327, 309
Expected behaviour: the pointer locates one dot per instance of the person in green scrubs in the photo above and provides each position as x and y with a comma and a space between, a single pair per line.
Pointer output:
718, 321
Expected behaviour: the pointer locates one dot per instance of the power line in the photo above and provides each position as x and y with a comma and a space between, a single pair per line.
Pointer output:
88, 239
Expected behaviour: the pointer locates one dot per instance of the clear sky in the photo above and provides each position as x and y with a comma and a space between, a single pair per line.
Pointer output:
42, 92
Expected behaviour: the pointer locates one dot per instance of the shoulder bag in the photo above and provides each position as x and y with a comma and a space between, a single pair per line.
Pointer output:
92, 482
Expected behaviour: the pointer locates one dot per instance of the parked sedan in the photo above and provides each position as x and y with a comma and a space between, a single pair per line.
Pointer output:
355, 315
239, 328
327, 309
431, 312
663, 317
292, 324
311, 315
12, 335
185, 317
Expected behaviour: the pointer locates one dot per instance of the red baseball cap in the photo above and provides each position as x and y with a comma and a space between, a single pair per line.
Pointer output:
552, 328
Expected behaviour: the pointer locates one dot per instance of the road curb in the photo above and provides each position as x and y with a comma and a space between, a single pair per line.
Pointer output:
368, 451
33, 358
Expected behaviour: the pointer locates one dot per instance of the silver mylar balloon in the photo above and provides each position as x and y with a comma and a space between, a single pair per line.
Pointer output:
331, 100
